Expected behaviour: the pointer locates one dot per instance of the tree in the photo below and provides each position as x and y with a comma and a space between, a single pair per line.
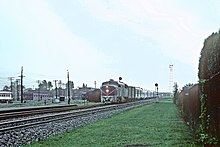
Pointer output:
49, 85
43, 85
6, 88
175, 92
71, 84
44, 82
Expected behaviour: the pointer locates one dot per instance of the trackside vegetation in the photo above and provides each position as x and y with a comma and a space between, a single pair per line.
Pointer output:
158, 124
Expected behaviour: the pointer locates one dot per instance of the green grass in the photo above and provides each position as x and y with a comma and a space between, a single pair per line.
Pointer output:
152, 125
30, 103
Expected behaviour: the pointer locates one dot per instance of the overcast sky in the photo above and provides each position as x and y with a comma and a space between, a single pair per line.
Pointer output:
98, 40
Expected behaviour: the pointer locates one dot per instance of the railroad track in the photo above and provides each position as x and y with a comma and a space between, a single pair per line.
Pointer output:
53, 117
23, 112
27, 122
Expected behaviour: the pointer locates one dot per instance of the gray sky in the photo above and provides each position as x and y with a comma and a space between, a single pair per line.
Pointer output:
98, 40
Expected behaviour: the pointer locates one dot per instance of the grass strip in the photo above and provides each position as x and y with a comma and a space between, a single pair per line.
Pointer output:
158, 124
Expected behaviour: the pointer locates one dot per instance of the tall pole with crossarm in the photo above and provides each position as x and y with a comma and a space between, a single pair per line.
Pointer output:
68, 86
22, 84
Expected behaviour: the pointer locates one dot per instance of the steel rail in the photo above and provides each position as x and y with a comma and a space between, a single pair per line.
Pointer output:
14, 113
28, 122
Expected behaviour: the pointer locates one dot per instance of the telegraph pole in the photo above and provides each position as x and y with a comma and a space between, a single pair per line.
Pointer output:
17, 81
22, 84
68, 79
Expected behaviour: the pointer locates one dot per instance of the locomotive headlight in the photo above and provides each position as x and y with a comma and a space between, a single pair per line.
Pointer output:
106, 86
107, 90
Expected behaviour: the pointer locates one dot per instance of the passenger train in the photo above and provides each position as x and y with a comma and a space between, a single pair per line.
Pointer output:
117, 91
5, 96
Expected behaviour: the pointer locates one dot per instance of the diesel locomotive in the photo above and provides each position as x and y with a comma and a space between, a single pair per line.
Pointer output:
116, 91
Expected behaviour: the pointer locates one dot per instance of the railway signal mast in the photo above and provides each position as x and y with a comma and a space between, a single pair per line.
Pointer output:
156, 89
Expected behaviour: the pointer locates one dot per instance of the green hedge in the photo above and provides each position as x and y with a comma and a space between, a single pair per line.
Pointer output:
209, 63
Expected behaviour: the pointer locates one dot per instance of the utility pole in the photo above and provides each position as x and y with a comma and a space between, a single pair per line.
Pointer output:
68, 79
17, 81
22, 84
56, 87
